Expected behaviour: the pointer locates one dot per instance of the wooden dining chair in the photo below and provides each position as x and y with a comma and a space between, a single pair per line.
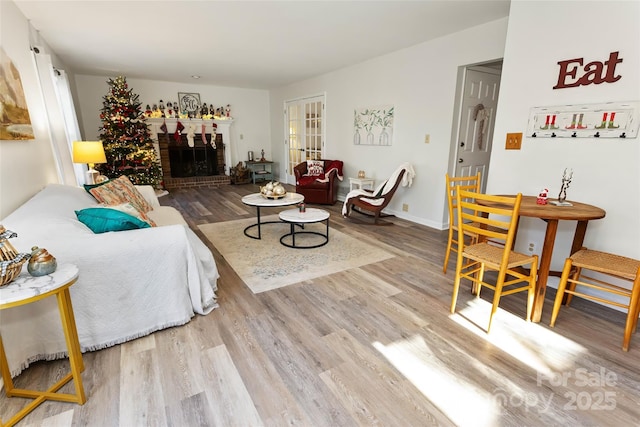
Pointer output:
609, 268
453, 184
492, 224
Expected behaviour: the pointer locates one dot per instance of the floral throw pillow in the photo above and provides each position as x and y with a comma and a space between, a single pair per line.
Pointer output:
315, 167
121, 190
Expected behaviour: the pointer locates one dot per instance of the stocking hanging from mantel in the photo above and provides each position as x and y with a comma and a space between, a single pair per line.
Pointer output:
178, 132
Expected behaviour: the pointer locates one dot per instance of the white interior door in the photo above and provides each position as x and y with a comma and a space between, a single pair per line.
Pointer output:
304, 132
477, 118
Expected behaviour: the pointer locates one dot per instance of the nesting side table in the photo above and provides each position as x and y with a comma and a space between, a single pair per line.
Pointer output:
294, 217
26, 289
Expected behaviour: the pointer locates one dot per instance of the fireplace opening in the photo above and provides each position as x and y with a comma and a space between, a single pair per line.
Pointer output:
200, 160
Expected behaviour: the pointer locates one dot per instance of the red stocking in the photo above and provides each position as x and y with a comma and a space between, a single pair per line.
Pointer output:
178, 132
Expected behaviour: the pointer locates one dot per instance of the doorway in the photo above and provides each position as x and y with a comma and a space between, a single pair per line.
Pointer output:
476, 102
304, 132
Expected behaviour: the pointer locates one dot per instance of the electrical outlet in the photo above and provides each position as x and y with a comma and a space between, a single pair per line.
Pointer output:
514, 141
405, 207
532, 247
427, 138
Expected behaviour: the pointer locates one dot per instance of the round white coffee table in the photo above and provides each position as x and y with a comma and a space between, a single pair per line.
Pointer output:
295, 217
257, 200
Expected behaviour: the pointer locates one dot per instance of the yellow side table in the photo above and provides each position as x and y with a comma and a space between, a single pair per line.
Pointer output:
26, 289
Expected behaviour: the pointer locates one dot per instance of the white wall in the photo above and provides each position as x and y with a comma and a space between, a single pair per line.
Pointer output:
25, 166
606, 172
249, 108
420, 82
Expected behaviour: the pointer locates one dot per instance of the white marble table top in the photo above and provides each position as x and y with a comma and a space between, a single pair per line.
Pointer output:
26, 286
310, 215
256, 199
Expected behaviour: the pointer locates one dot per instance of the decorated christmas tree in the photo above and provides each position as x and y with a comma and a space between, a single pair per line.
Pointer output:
126, 139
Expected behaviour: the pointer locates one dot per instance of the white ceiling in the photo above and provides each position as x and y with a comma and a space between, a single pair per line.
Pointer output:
251, 44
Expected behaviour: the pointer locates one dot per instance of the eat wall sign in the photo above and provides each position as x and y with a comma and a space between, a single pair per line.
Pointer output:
573, 74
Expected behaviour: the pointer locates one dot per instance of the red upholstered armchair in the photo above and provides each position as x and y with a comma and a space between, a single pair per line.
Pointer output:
317, 180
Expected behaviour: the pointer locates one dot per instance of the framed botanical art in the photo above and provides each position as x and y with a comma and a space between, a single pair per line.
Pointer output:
189, 102
373, 126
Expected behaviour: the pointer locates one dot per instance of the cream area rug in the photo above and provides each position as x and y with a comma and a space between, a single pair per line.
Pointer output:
266, 264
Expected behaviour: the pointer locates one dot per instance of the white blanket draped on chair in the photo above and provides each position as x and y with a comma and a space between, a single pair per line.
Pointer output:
386, 186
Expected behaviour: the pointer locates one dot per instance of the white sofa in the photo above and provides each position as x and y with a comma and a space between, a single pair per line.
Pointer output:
131, 283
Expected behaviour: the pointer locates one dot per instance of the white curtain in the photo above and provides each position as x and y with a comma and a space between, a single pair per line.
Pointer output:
63, 125
65, 100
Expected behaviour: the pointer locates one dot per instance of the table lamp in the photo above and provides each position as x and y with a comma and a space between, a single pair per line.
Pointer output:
90, 152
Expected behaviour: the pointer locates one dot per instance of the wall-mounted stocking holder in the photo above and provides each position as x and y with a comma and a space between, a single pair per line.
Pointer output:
604, 120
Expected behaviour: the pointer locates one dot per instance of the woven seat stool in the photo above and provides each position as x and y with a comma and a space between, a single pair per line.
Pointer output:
603, 263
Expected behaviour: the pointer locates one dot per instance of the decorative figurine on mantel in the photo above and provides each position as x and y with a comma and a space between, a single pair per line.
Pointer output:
262, 159
156, 113
227, 111
204, 111
168, 112
562, 197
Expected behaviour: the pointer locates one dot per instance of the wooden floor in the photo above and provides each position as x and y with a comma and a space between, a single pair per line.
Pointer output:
374, 345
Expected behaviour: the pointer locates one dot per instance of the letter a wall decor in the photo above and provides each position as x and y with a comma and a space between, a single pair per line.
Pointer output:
605, 120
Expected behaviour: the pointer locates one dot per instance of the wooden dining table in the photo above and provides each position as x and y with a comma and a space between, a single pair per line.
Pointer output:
552, 215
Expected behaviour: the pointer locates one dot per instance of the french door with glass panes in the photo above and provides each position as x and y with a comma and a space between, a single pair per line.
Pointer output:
304, 132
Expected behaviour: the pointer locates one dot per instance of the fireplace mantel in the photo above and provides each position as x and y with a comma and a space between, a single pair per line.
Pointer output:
223, 128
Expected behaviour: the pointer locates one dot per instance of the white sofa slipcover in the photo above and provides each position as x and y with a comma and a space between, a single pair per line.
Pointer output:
131, 283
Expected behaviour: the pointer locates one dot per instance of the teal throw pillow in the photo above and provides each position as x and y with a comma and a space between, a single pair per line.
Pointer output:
101, 220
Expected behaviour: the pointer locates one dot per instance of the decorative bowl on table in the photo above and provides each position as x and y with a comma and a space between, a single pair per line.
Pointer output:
10, 260
273, 190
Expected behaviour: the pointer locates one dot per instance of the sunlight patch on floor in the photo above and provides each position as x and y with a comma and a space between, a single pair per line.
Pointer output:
417, 362
533, 344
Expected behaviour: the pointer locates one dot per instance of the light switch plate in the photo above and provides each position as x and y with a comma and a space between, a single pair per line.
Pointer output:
514, 141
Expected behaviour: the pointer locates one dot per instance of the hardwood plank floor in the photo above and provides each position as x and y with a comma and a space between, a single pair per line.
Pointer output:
374, 345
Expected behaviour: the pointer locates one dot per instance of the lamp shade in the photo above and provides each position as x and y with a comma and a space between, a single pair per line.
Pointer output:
88, 152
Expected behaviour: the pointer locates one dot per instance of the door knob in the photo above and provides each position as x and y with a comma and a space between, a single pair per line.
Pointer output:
460, 161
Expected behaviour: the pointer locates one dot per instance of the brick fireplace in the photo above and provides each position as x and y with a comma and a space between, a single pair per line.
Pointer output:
199, 166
